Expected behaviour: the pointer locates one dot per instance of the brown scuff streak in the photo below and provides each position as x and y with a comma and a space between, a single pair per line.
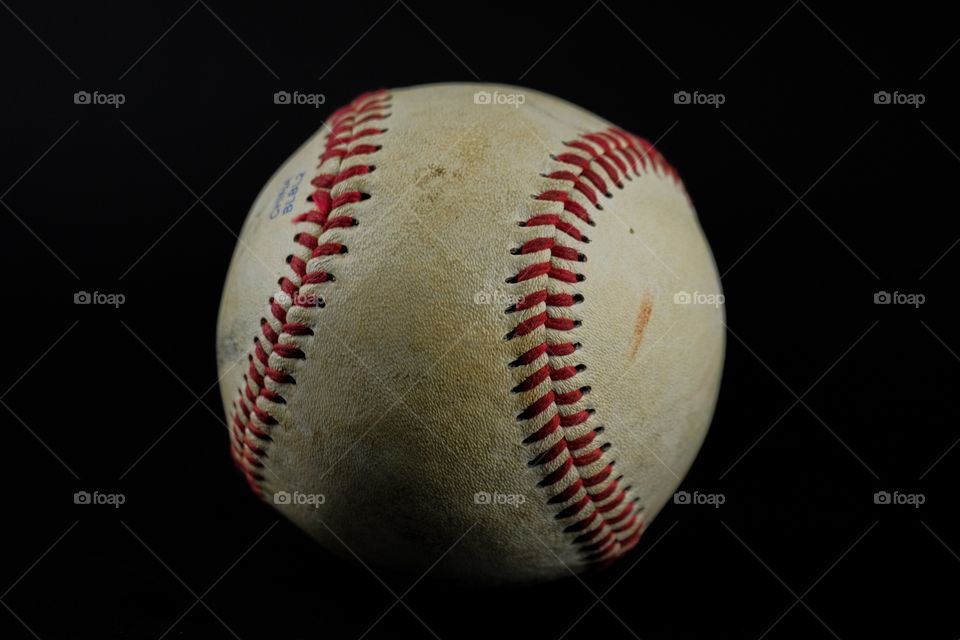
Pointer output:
643, 319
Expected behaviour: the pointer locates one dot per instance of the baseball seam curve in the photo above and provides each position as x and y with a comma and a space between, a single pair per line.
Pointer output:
601, 517
271, 362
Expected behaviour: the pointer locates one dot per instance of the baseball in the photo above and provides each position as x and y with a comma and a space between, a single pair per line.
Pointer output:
473, 330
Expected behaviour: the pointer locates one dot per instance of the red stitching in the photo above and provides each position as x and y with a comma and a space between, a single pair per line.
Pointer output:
577, 472
252, 421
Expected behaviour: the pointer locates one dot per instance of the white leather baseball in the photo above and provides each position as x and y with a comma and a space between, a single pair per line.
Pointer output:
491, 337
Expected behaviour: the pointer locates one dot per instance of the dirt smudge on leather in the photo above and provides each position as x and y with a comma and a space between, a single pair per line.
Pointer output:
643, 319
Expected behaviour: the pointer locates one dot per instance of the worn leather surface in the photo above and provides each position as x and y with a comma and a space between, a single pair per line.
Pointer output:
402, 409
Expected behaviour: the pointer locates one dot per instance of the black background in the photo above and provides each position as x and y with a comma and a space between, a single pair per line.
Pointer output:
813, 197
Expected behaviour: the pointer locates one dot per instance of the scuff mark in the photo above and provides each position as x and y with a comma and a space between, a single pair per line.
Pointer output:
643, 319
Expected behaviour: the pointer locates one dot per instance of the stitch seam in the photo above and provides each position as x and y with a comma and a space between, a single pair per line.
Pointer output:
278, 348
601, 517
